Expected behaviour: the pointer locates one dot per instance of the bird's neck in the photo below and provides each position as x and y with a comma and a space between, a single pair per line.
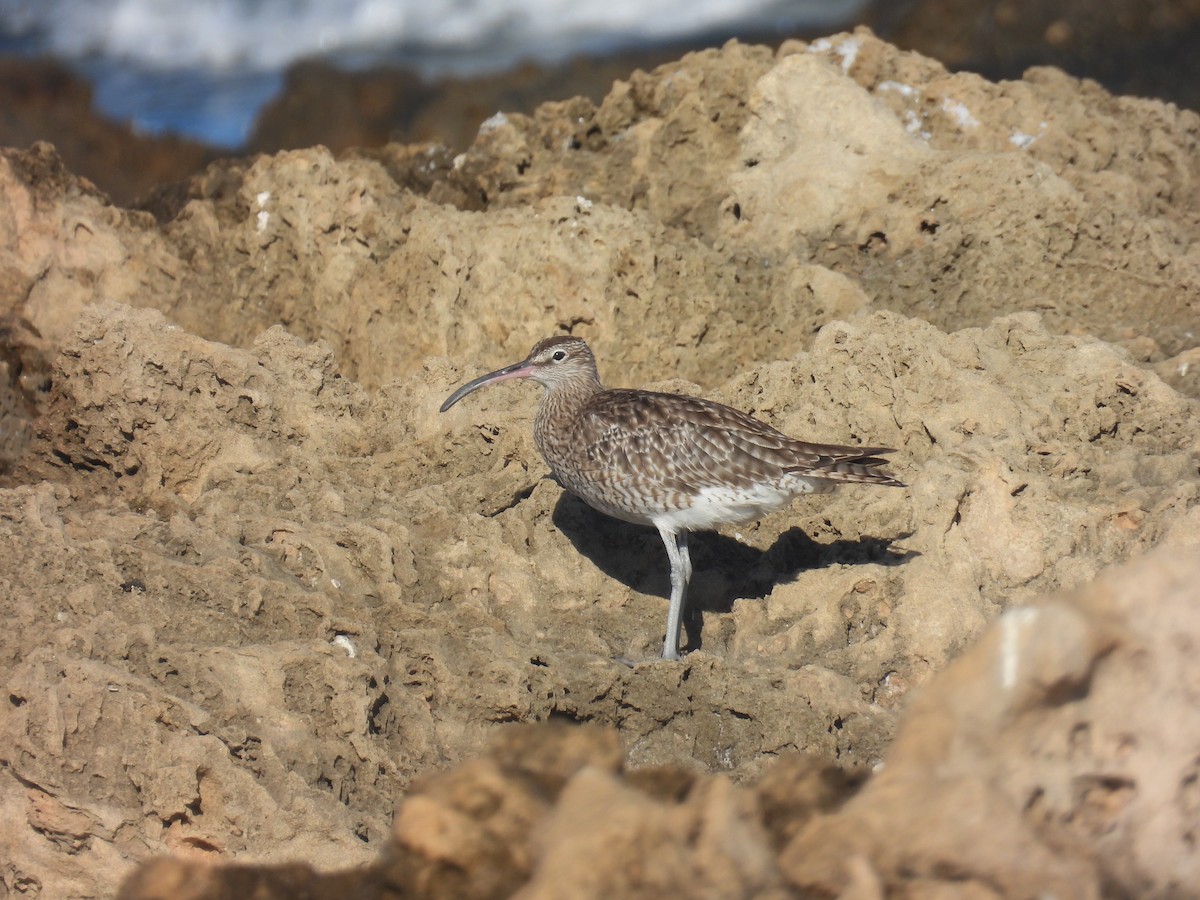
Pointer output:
560, 406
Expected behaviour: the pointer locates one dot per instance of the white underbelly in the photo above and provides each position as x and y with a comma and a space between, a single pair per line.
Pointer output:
716, 506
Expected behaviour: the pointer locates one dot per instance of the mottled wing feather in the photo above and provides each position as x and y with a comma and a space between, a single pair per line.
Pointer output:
675, 445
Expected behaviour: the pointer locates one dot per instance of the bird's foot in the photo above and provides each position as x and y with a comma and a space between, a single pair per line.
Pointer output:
634, 663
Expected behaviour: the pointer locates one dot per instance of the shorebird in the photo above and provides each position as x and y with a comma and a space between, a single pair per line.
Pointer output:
679, 463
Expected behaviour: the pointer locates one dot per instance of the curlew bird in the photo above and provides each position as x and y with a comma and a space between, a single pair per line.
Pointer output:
681, 464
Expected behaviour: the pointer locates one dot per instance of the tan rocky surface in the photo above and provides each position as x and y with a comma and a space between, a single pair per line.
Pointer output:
257, 589
1037, 764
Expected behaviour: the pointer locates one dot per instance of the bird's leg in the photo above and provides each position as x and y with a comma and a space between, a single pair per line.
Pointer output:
681, 572
693, 619
681, 541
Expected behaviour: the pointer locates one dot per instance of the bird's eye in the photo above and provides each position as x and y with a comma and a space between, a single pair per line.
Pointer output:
559, 355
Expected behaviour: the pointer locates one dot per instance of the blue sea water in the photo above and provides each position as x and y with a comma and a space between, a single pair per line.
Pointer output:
204, 68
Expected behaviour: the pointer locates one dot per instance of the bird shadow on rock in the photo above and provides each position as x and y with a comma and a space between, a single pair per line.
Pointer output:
724, 570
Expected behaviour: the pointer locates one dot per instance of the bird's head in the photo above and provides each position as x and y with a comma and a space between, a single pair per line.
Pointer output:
554, 362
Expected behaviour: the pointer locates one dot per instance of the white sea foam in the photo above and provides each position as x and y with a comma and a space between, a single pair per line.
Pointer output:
205, 68
268, 34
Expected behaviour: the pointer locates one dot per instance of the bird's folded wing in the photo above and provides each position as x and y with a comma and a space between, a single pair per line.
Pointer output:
680, 444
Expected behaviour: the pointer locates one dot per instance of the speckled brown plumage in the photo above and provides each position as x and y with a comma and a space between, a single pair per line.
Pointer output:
679, 463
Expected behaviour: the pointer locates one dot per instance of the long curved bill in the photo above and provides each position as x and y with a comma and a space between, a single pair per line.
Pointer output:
523, 369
